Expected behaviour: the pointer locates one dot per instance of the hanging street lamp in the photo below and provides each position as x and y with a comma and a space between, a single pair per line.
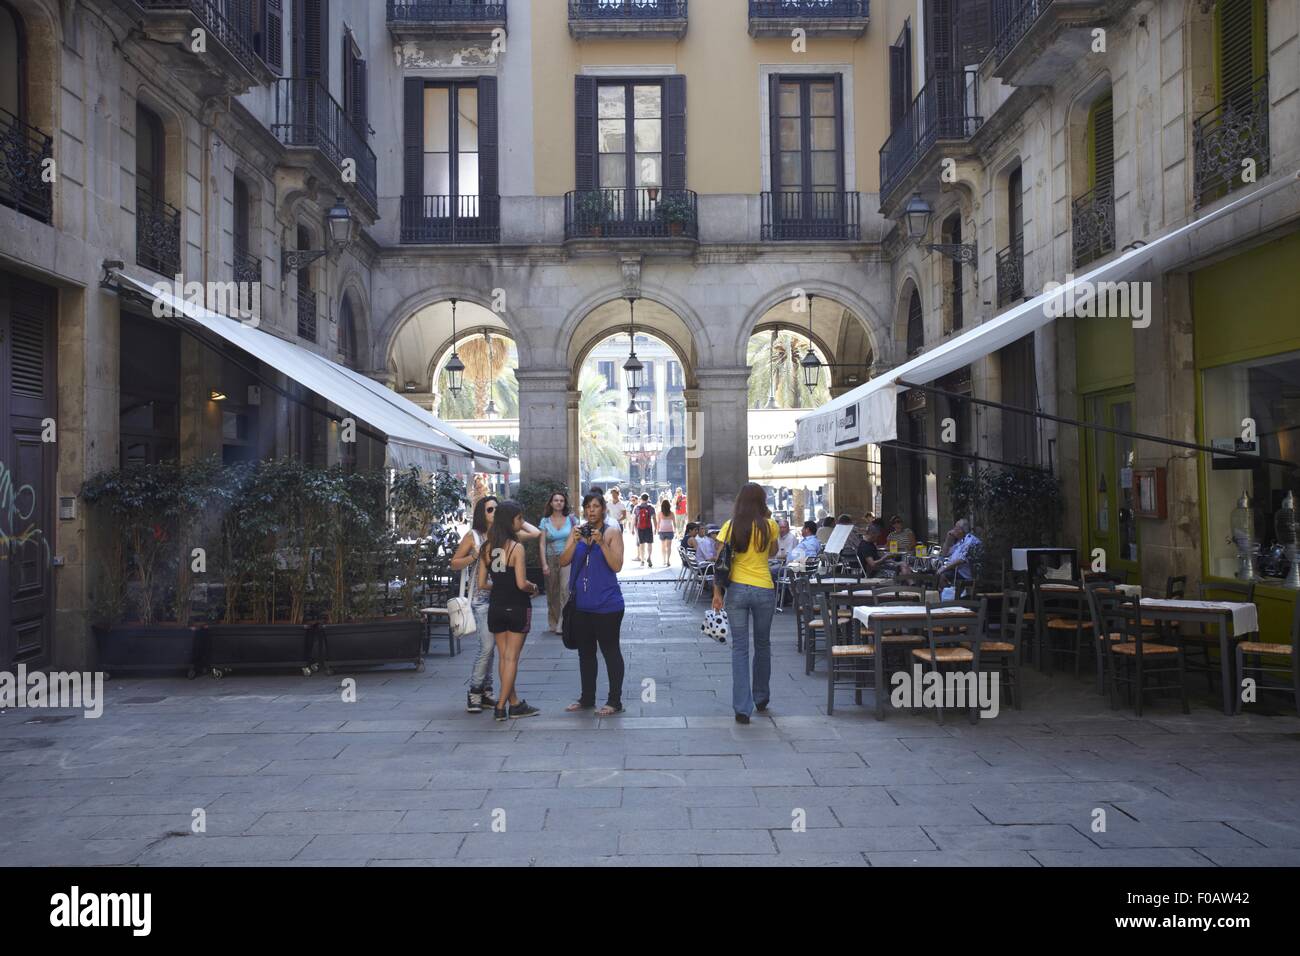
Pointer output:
455, 367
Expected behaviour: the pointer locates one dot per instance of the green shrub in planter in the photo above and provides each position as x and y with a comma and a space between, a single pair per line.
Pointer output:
533, 497
1011, 508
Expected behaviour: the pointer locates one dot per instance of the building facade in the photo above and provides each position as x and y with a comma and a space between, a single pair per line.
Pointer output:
730, 166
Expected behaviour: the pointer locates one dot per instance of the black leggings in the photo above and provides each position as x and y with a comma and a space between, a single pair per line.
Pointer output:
592, 630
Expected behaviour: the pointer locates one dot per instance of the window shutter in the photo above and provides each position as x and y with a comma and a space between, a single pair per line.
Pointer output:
939, 36
1239, 29
675, 132
273, 34
28, 333
915, 324
1101, 134
489, 165
974, 30
839, 136
774, 131
585, 133
909, 67
312, 27
897, 86
413, 137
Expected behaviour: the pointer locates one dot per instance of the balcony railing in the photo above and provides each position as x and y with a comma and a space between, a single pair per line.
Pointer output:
231, 24
646, 213
157, 234
1093, 224
445, 11
1011, 273
307, 115
822, 214
248, 267
945, 109
807, 9
23, 151
451, 219
1011, 21
627, 9
1225, 137
307, 315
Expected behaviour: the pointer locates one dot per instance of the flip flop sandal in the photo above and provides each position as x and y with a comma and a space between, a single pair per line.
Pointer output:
578, 708
608, 711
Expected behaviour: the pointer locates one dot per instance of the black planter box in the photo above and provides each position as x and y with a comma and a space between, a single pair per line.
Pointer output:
371, 643
260, 646
149, 647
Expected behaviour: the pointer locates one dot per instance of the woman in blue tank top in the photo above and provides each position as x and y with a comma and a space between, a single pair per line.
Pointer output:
594, 555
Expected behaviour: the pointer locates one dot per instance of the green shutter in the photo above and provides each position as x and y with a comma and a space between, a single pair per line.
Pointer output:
1240, 46
1101, 143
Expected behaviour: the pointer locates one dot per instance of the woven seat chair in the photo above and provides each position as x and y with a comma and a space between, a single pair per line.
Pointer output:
1199, 644
820, 608
1251, 660
954, 643
850, 651
1001, 646
1133, 661
1063, 625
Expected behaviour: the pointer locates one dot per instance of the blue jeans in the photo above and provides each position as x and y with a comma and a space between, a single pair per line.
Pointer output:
745, 603
487, 646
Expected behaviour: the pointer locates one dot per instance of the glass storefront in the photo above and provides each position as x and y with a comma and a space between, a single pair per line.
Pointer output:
1259, 398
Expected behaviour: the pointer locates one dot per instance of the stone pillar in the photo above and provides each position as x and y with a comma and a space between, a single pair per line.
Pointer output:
694, 501
719, 439
547, 426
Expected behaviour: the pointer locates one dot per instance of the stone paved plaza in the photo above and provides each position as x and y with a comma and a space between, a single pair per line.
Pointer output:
289, 774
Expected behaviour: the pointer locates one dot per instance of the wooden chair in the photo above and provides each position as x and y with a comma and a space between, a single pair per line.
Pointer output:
1002, 646
954, 643
1134, 661
1289, 655
850, 652
1063, 624
819, 625
1102, 599
1198, 644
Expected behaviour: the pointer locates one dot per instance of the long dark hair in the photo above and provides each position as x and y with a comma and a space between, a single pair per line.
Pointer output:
480, 523
550, 508
751, 515
665, 508
502, 531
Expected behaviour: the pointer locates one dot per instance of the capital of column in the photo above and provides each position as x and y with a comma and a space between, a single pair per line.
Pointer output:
544, 379
723, 379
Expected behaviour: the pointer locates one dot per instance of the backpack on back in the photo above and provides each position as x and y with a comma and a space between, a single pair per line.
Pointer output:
644, 517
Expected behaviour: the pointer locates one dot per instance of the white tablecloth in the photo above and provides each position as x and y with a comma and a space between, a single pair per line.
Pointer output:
1245, 617
864, 614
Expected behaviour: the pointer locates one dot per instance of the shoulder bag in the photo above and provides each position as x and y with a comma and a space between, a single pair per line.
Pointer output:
571, 606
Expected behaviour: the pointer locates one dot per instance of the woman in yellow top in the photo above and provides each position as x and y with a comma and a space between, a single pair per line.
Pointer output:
750, 596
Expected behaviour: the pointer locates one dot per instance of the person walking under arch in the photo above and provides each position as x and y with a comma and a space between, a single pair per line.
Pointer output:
595, 554
679, 509
556, 525
510, 606
749, 599
645, 531
667, 531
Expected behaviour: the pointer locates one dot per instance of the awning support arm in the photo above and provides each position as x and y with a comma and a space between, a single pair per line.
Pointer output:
1138, 436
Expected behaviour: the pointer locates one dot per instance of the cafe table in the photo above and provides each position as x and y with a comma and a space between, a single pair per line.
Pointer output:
1234, 621
875, 619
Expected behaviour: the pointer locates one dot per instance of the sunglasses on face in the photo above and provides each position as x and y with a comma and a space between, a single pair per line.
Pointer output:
488, 511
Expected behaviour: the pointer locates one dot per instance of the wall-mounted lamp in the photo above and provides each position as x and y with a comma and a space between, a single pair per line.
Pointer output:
338, 226
917, 214
217, 396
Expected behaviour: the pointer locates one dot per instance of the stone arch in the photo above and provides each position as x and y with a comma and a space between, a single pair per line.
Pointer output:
862, 310
384, 337
442, 350
40, 33
352, 290
686, 341
1076, 128
902, 315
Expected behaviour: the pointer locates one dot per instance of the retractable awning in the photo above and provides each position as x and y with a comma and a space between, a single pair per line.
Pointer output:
867, 415
413, 435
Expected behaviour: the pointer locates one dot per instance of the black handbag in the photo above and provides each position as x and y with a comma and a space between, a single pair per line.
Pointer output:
570, 608
722, 563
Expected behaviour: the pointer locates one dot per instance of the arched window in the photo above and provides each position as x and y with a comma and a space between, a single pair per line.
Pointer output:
306, 293
347, 334
956, 291
13, 66
915, 325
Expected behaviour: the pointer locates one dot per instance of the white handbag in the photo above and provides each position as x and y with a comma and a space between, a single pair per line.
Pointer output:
460, 612
716, 625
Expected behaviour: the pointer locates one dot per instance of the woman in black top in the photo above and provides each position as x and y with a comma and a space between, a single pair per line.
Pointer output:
510, 607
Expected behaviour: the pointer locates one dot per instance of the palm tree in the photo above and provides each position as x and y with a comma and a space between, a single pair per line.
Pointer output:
483, 380
600, 443
780, 361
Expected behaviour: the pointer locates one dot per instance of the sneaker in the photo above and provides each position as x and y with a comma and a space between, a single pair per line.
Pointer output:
500, 713
487, 697
742, 718
474, 702
523, 709
761, 708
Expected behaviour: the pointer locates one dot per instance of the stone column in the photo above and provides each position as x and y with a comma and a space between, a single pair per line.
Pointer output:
547, 426
719, 439
694, 503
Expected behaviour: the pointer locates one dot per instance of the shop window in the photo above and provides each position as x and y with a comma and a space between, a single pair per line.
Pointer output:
1266, 391
149, 400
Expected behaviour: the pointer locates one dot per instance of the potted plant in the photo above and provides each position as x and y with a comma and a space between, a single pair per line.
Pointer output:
675, 212
594, 207
356, 632
150, 513
533, 498
274, 520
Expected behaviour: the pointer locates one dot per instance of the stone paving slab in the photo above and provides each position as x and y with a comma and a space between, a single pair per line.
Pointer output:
288, 774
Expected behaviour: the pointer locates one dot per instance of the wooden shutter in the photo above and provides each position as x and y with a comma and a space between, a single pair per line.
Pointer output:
774, 130
413, 137
897, 86
675, 132
938, 37
489, 164
585, 133
1240, 52
1016, 207
311, 27
272, 27
1101, 142
360, 95
915, 324
974, 30
839, 133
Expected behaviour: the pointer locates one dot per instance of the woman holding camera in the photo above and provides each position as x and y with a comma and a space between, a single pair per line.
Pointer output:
510, 607
595, 554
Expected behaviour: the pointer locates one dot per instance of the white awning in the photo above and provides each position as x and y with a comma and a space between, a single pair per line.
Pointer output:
414, 435
867, 415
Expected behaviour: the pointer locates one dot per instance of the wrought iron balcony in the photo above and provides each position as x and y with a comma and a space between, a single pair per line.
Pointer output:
452, 19
157, 234
944, 110
1011, 273
307, 315
1225, 137
627, 18
306, 115
821, 214
770, 18
1034, 41
1012, 20
1093, 224
23, 151
646, 213
451, 219
248, 267
227, 23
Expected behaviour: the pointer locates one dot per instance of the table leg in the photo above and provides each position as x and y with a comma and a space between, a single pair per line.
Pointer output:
879, 654
1225, 664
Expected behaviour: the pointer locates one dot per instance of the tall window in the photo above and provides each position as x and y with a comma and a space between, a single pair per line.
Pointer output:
915, 325
149, 147
451, 143
1101, 143
1016, 208
807, 143
900, 76
354, 84
13, 64
148, 413
629, 140
306, 294
955, 272
347, 334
